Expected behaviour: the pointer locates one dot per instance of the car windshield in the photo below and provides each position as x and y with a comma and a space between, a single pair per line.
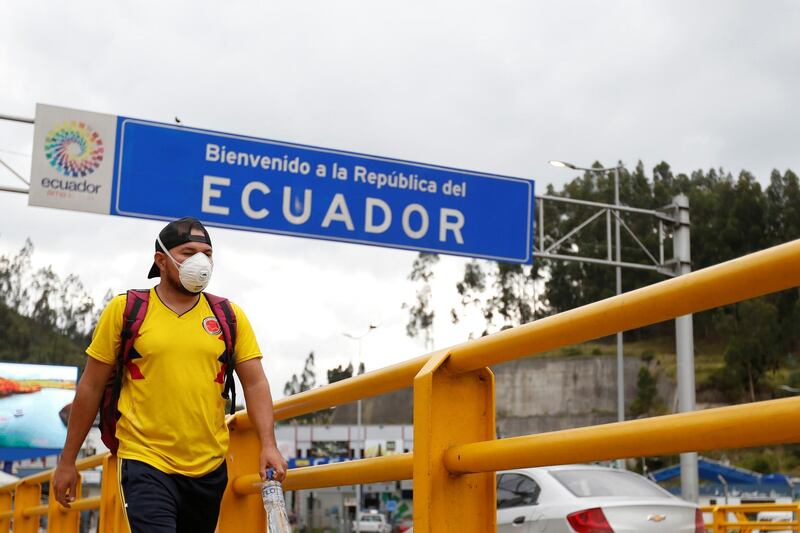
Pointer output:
591, 483
370, 518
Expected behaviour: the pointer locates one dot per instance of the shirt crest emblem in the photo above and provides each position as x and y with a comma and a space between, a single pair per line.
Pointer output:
211, 325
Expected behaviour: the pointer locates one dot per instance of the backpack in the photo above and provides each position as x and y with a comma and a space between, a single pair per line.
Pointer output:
135, 309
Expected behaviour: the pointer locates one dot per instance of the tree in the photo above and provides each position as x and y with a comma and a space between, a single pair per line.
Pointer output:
306, 381
783, 207
646, 400
24, 340
57, 303
783, 224
420, 314
511, 301
13, 274
513, 297
731, 216
754, 345
46, 318
339, 373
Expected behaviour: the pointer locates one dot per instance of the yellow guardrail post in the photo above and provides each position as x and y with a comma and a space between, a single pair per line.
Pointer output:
6, 502
27, 495
451, 409
719, 516
737, 517
112, 518
743, 519
60, 520
239, 511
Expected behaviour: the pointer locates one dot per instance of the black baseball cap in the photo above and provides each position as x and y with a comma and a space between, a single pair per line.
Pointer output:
176, 233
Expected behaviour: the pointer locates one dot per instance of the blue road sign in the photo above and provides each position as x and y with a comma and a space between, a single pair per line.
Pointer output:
164, 171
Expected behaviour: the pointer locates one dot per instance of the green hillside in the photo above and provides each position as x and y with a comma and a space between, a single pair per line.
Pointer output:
658, 356
23, 340
709, 362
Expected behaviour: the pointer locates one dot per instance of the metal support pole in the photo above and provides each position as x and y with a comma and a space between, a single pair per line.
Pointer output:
541, 224
360, 437
360, 455
684, 345
17, 174
14, 189
361, 452
15, 118
620, 353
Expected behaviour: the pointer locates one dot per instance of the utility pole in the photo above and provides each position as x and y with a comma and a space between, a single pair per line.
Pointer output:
358, 339
618, 262
620, 353
684, 344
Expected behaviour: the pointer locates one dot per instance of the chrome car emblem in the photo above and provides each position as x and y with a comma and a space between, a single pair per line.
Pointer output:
657, 517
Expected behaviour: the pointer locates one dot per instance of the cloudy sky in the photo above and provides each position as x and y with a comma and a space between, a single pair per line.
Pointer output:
498, 87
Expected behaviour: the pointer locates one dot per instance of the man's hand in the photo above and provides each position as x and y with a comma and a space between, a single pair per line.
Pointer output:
272, 458
65, 483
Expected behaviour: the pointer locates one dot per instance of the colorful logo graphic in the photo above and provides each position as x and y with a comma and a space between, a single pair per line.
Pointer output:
74, 149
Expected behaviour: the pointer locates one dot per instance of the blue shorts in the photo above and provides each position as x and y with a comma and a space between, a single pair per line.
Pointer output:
156, 502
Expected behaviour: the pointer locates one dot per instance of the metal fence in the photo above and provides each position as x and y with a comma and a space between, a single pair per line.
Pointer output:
456, 453
753, 518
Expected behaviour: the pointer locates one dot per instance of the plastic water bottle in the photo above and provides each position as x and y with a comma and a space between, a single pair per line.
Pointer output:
275, 506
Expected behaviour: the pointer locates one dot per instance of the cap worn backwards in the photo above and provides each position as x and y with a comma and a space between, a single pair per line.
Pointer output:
176, 233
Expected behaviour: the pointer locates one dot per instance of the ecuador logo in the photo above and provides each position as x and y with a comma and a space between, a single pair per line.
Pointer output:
74, 149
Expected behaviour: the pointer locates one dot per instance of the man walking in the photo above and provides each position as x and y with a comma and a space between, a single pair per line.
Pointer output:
171, 428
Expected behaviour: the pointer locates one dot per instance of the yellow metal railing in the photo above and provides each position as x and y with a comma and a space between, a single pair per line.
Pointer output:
744, 518
28, 509
455, 451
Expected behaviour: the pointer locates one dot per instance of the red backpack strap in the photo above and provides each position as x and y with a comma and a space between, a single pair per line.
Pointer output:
226, 318
135, 309
132, 317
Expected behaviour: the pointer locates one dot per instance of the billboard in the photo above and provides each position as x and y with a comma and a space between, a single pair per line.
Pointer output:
329, 448
380, 447
34, 408
130, 167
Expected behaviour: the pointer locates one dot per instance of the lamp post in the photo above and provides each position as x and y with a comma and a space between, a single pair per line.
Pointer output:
684, 336
359, 338
620, 360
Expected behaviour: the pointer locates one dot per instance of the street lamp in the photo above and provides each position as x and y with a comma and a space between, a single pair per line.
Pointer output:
620, 361
564, 164
359, 338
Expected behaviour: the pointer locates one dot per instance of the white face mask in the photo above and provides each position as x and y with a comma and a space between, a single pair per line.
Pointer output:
194, 272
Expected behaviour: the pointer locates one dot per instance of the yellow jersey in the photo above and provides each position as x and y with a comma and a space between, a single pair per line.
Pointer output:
171, 405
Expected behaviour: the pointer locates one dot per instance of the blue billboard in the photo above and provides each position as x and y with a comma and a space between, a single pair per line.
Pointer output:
164, 171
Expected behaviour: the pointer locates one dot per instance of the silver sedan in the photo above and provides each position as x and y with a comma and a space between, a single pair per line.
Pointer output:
583, 499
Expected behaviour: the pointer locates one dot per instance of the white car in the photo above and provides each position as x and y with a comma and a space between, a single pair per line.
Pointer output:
584, 499
369, 522
589, 499
774, 516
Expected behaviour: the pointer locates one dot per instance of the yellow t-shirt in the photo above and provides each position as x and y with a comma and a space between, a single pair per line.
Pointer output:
173, 415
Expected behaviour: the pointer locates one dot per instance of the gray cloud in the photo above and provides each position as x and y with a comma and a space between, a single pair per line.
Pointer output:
499, 87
